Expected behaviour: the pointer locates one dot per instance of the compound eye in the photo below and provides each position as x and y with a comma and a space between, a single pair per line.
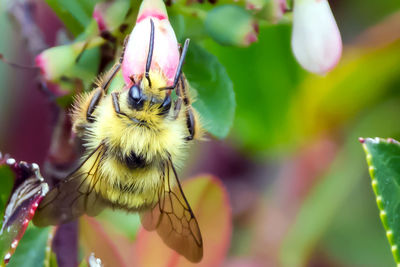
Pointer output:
135, 97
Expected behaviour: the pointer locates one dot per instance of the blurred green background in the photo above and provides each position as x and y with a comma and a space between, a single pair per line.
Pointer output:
295, 172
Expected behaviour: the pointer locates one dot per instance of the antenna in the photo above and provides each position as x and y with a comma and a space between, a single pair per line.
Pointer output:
180, 65
150, 54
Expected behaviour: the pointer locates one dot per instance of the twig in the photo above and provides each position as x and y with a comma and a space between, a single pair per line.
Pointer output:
22, 12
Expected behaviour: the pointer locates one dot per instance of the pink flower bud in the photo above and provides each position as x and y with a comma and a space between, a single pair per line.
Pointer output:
316, 40
165, 53
55, 61
231, 25
59, 60
110, 15
280, 7
98, 16
272, 10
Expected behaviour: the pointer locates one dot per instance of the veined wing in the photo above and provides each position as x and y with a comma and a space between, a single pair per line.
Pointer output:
173, 218
73, 196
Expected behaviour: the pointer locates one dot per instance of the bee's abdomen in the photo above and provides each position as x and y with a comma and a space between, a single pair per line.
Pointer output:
131, 160
134, 161
127, 186
131, 195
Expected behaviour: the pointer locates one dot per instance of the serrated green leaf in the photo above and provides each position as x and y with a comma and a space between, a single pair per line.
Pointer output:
31, 248
215, 96
383, 158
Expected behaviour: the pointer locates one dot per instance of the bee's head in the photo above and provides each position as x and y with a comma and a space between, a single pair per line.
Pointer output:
139, 100
136, 98
146, 93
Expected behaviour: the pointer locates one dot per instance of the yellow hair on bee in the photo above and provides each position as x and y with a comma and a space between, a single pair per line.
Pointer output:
79, 111
135, 139
151, 139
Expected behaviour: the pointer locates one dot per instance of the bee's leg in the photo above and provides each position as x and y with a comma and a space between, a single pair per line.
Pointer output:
183, 98
178, 102
117, 109
101, 90
190, 122
117, 66
121, 58
115, 102
105, 84
182, 95
111, 74
98, 94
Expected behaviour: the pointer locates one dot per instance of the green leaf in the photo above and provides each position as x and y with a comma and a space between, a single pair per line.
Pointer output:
265, 77
31, 249
75, 14
383, 158
215, 96
178, 24
231, 25
87, 67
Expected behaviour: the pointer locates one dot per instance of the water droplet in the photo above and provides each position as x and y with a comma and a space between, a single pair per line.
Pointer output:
10, 161
7, 257
14, 244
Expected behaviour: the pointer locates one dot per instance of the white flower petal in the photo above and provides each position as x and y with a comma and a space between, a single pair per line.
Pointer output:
316, 41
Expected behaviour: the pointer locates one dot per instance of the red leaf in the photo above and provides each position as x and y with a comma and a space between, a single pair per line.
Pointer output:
112, 248
209, 201
29, 189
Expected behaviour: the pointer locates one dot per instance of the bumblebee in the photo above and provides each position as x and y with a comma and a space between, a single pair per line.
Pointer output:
134, 139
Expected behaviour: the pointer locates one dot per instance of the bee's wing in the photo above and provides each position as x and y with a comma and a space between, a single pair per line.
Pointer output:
173, 218
73, 196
